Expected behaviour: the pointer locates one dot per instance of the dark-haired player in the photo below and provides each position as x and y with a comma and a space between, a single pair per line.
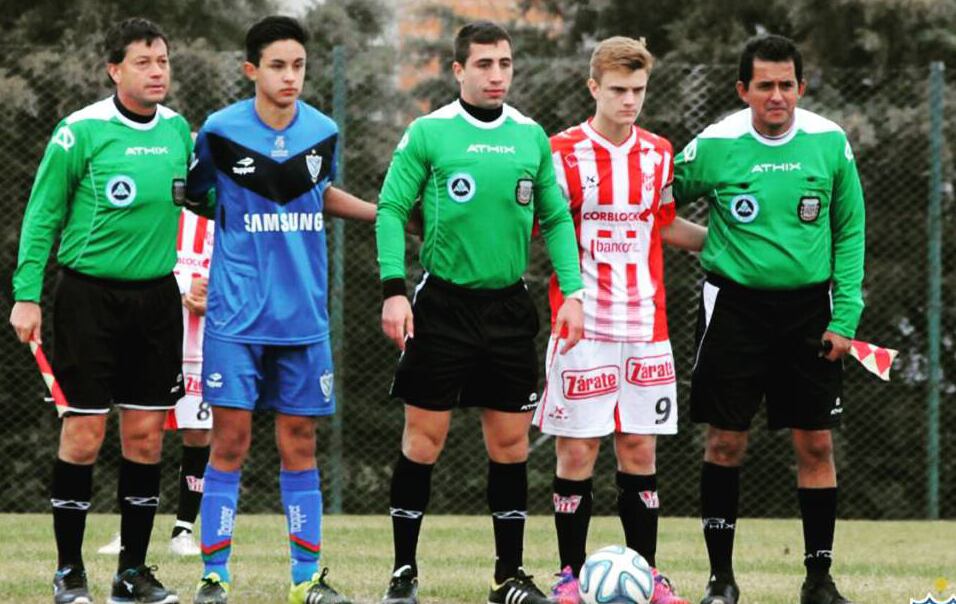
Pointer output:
483, 172
270, 160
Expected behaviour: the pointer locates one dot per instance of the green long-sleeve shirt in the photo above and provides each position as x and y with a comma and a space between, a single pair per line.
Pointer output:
109, 184
784, 213
481, 185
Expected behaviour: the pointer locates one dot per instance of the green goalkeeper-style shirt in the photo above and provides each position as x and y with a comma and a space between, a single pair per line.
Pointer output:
784, 213
109, 183
481, 185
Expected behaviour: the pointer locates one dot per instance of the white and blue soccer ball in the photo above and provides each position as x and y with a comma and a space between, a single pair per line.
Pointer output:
616, 575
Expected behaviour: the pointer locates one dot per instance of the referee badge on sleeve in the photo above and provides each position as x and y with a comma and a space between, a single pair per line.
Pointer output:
809, 209
524, 191
179, 191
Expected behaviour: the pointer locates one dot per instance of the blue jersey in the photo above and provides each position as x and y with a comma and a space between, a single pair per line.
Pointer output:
269, 280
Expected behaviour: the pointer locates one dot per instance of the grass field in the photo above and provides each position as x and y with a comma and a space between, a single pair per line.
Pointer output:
877, 562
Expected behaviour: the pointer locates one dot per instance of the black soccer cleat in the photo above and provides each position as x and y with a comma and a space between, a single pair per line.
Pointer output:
140, 586
722, 590
821, 590
519, 588
69, 586
403, 588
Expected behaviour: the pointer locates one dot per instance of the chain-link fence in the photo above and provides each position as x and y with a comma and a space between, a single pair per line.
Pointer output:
882, 451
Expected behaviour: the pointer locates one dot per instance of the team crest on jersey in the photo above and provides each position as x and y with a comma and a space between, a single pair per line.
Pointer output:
278, 147
179, 191
524, 191
808, 209
326, 382
744, 208
121, 191
461, 187
313, 162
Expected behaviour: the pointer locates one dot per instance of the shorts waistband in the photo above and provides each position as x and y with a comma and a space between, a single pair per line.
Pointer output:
732, 286
116, 283
489, 293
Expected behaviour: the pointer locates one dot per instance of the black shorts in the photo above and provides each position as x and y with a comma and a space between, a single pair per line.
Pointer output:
472, 348
117, 342
755, 344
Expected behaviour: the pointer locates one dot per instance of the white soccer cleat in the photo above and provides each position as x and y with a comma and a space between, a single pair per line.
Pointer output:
183, 544
112, 548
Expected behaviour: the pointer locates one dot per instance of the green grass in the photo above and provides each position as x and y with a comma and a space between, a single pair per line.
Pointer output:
876, 563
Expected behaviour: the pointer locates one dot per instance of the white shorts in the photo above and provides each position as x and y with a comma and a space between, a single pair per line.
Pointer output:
191, 411
602, 387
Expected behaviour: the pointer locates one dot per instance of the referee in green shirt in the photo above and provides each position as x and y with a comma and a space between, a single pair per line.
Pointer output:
107, 185
483, 174
784, 264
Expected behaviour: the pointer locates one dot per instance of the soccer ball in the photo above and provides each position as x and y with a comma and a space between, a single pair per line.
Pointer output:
616, 575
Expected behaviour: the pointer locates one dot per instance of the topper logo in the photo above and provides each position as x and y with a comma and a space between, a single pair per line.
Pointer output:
589, 383
651, 371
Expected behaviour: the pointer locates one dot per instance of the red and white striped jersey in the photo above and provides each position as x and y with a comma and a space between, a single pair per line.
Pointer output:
619, 197
193, 254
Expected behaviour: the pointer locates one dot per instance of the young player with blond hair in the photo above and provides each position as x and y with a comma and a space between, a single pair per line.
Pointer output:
620, 378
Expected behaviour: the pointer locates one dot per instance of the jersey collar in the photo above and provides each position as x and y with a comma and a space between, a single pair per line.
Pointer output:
623, 148
135, 125
780, 140
478, 123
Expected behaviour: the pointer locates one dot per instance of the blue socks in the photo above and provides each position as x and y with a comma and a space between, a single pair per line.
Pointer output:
302, 502
218, 514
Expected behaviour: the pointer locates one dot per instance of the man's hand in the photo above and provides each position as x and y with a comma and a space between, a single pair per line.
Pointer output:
840, 346
25, 319
570, 317
397, 320
195, 300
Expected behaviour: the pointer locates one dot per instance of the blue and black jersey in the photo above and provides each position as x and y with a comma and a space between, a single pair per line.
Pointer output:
269, 280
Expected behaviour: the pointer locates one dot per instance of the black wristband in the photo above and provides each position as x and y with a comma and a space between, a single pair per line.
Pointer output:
393, 287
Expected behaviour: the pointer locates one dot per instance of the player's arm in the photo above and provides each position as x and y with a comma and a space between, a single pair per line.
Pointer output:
201, 182
684, 234
690, 181
676, 231
60, 171
848, 227
551, 207
341, 204
402, 187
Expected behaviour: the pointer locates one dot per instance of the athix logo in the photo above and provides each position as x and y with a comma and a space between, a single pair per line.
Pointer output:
227, 520
650, 371
589, 383
502, 149
297, 519
147, 150
787, 166
566, 505
246, 165
717, 524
